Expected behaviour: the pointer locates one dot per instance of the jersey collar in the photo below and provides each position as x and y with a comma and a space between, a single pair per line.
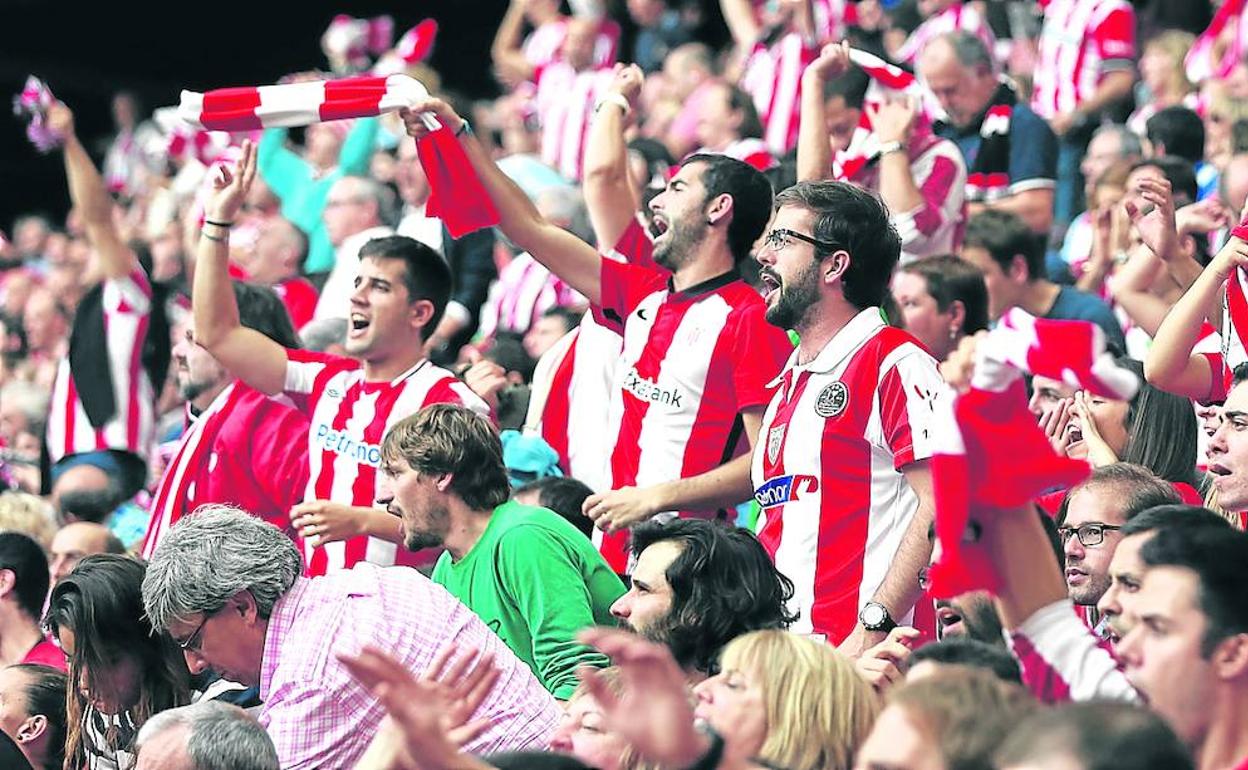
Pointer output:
706, 287
843, 344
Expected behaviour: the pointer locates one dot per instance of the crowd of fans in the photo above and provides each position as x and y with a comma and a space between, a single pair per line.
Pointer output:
654, 471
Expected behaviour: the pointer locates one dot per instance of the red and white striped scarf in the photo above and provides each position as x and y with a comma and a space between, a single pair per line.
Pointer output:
1199, 60
887, 81
989, 453
456, 197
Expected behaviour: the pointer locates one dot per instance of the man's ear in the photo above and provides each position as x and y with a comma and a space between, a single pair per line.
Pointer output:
421, 312
1019, 272
1230, 657
835, 265
244, 603
31, 729
444, 481
8, 581
720, 209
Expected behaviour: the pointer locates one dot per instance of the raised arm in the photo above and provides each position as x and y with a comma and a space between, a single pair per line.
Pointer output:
742, 24
87, 191
1170, 364
567, 256
506, 51
609, 195
249, 355
814, 154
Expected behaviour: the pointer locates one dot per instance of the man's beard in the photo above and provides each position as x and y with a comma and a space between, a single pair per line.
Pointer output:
979, 618
193, 389
432, 536
795, 298
682, 237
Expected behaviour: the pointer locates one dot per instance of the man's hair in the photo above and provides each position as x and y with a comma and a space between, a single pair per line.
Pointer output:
968, 712
949, 279
1178, 171
1180, 131
739, 101
220, 736
259, 308
564, 496
964, 651
426, 274
751, 198
1134, 486
93, 505
26, 560
1128, 140
214, 553
858, 222
380, 195
45, 694
319, 334
1173, 515
1097, 736
569, 316
723, 585
31, 399
448, 438
1004, 235
969, 50
851, 86
1239, 373
1217, 555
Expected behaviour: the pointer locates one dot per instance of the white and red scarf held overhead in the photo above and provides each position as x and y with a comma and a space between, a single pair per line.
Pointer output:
457, 196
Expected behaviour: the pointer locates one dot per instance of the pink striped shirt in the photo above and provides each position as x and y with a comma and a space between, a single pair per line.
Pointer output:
565, 104
349, 418
127, 305
524, 291
544, 45
1080, 42
955, 17
320, 717
773, 78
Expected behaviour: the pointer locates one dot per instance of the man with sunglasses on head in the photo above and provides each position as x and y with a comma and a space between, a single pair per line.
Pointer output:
692, 380
841, 465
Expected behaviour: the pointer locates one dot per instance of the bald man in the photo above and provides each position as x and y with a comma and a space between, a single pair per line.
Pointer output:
76, 541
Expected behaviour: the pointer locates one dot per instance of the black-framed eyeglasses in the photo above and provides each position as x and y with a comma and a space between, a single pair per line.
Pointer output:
192, 642
1092, 534
783, 237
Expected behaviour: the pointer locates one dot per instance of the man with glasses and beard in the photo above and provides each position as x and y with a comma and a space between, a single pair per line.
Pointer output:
696, 586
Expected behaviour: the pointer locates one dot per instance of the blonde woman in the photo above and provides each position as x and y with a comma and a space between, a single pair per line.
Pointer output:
1163, 77
785, 701
584, 734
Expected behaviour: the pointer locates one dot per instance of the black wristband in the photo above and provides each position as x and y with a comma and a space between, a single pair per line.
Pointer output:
710, 760
226, 225
464, 128
216, 238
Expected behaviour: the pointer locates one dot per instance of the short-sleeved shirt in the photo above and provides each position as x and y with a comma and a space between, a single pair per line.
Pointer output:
348, 419
536, 581
1075, 305
1081, 41
828, 467
319, 716
692, 361
127, 306
1033, 149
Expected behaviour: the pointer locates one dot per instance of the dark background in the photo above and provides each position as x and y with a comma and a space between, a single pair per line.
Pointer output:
85, 51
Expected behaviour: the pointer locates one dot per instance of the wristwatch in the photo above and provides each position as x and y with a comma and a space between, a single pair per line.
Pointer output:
893, 146
874, 617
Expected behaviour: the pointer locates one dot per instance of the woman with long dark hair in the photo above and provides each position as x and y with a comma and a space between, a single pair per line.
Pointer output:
121, 672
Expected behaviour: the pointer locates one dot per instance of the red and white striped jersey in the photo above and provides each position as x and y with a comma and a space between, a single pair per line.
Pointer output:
245, 449
525, 289
348, 419
692, 361
565, 104
956, 17
752, 151
1062, 659
127, 304
545, 44
1080, 42
577, 377
828, 464
773, 78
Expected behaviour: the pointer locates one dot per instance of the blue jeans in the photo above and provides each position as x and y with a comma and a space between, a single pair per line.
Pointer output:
1068, 198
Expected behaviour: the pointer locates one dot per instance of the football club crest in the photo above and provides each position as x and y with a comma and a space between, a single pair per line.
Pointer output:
832, 400
775, 438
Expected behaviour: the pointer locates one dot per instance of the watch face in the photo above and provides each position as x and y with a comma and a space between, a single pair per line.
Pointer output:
873, 615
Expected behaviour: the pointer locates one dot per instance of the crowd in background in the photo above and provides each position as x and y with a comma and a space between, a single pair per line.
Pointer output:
299, 472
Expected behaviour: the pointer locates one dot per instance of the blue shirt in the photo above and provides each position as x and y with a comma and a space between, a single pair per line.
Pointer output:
1075, 305
1033, 147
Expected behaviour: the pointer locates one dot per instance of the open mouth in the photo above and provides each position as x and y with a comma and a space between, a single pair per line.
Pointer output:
1219, 470
1074, 434
1075, 576
947, 618
659, 225
359, 323
770, 283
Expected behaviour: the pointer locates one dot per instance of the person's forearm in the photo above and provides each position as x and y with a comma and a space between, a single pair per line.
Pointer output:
1030, 575
1035, 207
723, 487
739, 16
1171, 350
1113, 88
1131, 289
506, 48
212, 297
897, 187
900, 588
1096, 267
609, 194
111, 258
1183, 271
804, 22
379, 524
814, 154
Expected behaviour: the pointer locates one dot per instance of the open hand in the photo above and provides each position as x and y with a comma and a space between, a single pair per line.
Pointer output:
893, 120
1156, 222
230, 185
884, 664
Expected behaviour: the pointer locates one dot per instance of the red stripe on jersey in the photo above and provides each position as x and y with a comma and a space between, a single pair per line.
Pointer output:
895, 418
442, 392
365, 486
845, 510
319, 561
773, 527
558, 404
136, 371
71, 414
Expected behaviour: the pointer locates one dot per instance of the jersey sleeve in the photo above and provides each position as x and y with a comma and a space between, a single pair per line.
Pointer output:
635, 247
1033, 153
1114, 39
1062, 660
308, 374
940, 175
130, 294
450, 390
907, 393
623, 289
759, 352
280, 450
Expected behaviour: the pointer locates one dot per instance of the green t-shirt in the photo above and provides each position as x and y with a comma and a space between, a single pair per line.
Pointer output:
536, 581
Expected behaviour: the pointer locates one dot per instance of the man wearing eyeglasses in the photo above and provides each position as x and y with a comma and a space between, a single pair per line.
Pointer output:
840, 469
692, 380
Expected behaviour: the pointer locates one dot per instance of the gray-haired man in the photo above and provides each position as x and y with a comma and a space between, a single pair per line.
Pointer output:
226, 586
209, 734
